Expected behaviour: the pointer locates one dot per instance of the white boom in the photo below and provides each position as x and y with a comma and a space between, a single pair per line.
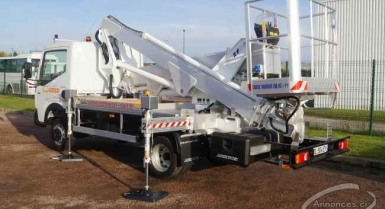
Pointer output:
186, 72
177, 74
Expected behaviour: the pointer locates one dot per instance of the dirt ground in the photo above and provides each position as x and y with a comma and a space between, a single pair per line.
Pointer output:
29, 178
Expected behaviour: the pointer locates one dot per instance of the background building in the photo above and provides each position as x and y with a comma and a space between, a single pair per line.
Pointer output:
360, 33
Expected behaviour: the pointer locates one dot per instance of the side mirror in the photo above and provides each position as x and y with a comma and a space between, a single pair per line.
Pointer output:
27, 67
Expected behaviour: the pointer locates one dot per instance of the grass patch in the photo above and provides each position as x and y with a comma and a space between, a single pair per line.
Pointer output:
360, 145
355, 115
14, 102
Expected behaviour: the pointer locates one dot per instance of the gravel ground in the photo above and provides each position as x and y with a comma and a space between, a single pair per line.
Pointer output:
29, 178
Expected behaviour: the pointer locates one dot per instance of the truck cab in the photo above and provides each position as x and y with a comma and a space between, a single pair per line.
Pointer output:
66, 65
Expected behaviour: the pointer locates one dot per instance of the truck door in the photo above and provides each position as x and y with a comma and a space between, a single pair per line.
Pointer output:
52, 79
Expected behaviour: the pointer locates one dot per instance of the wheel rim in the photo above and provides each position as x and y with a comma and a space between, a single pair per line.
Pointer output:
161, 158
58, 134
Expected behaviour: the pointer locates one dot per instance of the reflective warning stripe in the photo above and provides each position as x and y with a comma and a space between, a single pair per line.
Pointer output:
169, 124
300, 85
249, 86
336, 87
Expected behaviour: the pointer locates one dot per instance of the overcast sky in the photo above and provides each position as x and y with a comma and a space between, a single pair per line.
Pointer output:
211, 25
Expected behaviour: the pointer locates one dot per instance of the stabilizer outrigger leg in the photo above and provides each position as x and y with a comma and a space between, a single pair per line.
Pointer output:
146, 194
69, 157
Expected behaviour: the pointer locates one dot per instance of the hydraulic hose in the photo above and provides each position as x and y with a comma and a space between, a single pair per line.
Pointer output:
112, 89
290, 116
103, 46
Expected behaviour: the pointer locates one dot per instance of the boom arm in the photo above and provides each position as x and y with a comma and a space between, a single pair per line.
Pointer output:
188, 76
180, 66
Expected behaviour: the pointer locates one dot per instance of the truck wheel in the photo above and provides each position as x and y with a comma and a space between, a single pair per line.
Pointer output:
164, 159
9, 89
59, 134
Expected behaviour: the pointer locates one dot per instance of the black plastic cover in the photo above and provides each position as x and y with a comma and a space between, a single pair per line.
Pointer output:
234, 148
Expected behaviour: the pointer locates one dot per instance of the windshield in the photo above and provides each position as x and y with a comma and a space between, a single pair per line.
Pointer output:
54, 65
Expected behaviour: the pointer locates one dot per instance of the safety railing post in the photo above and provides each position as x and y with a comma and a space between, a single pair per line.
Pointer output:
21, 84
372, 96
249, 61
4, 90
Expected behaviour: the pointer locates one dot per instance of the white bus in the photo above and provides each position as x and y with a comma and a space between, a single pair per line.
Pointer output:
11, 78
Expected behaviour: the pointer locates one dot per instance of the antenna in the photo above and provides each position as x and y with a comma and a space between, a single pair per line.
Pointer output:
92, 25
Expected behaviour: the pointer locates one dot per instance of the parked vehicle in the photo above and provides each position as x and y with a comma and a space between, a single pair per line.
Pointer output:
11, 76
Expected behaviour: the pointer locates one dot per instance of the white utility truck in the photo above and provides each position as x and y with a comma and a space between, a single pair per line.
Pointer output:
219, 106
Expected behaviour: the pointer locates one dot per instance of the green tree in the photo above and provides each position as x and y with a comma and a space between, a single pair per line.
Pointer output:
13, 54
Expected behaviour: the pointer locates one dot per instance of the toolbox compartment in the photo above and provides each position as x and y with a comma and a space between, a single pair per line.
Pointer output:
235, 148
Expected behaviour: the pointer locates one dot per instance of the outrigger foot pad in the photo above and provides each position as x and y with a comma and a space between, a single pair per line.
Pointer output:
68, 158
145, 195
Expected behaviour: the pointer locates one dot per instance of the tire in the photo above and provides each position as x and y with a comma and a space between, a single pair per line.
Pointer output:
164, 160
59, 134
9, 90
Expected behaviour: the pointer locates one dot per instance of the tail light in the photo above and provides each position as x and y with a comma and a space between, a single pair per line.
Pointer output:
343, 144
302, 157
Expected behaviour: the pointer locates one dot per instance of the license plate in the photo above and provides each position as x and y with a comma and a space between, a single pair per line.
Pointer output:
320, 150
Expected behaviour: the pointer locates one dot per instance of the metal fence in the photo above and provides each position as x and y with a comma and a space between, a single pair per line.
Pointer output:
12, 83
360, 106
